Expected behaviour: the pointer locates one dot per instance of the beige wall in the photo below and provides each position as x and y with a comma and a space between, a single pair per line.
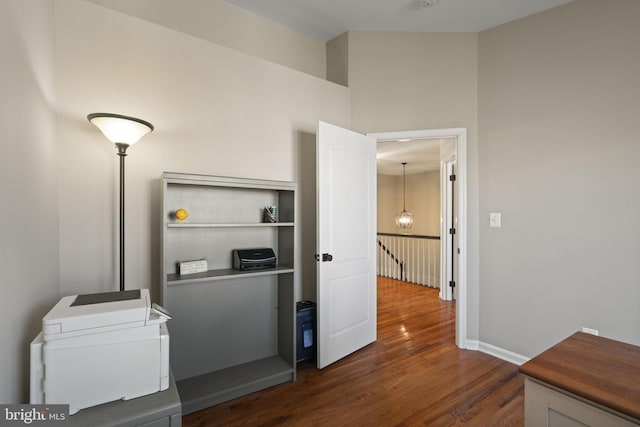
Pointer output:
388, 204
217, 111
559, 104
408, 81
338, 59
422, 200
28, 186
219, 22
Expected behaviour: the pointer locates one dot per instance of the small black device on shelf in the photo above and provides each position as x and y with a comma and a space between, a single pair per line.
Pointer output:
254, 259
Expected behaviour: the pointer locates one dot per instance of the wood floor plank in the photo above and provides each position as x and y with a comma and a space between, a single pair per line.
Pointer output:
413, 375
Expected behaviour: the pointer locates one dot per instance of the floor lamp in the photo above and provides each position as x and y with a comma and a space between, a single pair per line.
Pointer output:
123, 131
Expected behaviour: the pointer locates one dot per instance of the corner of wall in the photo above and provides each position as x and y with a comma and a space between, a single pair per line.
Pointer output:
338, 60
29, 271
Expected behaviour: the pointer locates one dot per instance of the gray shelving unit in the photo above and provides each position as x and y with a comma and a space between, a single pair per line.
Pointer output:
232, 332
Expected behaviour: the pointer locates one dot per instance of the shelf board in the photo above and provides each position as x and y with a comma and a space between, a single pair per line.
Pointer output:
230, 225
224, 273
220, 386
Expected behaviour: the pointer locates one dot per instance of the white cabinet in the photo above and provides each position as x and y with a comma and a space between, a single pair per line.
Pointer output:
584, 380
232, 332
548, 407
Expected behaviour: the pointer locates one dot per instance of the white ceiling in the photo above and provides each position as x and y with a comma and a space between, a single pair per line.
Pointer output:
326, 19
421, 155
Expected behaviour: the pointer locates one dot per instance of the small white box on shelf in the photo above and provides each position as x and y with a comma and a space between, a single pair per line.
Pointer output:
192, 267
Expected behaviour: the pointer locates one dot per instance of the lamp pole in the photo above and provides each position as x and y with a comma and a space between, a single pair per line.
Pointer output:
122, 152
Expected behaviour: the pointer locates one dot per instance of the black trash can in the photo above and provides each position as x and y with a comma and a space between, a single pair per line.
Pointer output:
305, 330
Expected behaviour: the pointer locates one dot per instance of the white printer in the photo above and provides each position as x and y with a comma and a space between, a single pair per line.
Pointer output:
97, 348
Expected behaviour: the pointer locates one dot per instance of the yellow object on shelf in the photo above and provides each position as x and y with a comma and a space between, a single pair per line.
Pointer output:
181, 214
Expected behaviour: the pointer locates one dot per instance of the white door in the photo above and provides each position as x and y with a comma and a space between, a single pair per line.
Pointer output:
346, 230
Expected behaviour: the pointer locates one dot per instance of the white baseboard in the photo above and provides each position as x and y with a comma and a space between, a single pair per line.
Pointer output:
492, 350
473, 345
501, 353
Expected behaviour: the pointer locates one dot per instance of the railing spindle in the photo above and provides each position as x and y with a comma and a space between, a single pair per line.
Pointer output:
412, 258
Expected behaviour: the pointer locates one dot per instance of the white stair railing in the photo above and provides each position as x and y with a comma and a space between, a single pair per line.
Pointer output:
411, 258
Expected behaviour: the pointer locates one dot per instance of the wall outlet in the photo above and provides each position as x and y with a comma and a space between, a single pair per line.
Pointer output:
495, 220
590, 331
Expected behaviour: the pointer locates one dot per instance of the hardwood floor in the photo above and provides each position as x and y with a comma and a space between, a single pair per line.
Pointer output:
412, 375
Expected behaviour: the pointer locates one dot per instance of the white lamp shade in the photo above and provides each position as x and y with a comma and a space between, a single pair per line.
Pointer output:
120, 129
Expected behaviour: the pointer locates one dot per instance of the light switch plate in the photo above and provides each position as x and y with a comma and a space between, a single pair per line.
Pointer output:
495, 220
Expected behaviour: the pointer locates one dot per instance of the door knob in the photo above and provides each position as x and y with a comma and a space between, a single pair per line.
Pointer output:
327, 257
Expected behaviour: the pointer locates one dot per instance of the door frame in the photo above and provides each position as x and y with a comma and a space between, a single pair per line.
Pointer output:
460, 135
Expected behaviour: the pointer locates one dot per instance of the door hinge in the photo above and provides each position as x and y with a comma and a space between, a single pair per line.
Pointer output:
452, 231
452, 284
452, 177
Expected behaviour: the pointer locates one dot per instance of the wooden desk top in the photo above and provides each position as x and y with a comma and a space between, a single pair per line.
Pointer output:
597, 369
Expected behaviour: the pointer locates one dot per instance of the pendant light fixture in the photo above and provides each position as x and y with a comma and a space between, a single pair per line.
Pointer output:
405, 218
